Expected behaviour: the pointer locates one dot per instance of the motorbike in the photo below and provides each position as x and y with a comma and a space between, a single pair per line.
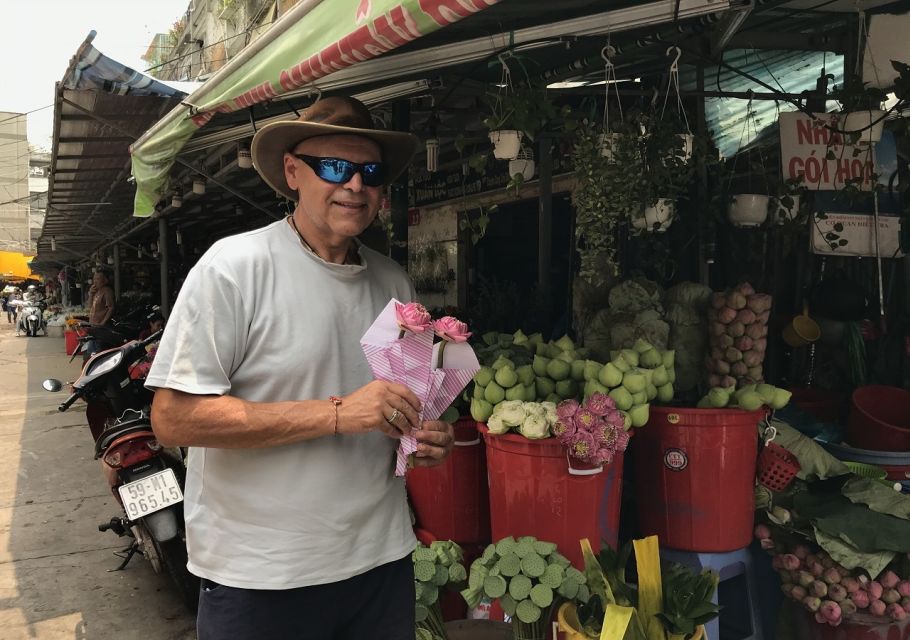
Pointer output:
145, 478
114, 333
30, 318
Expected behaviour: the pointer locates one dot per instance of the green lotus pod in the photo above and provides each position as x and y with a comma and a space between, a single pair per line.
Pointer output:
750, 401
540, 365
705, 403
533, 565
542, 595
565, 343
620, 363
648, 374
544, 386
566, 389
524, 548
668, 358
592, 387
506, 377
481, 410
421, 613
639, 415
610, 375
527, 611
781, 398
554, 398
650, 392
633, 381
510, 564
490, 338
592, 368
577, 370
650, 359
508, 605
494, 586
450, 415
766, 391
665, 393
457, 573
718, 397
568, 589
630, 356
501, 362
483, 376
622, 398
660, 377
553, 576
559, 560
627, 420
520, 587
424, 571
441, 578
519, 338
640, 398
516, 393
642, 346
506, 545
493, 393
558, 370
530, 394
525, 374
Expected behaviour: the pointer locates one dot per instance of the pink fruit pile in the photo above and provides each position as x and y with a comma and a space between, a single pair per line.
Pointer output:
738, 330
833, 592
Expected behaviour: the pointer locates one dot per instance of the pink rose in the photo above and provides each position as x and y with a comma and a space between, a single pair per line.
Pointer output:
412, 316
600, 404
567, 408
451, 329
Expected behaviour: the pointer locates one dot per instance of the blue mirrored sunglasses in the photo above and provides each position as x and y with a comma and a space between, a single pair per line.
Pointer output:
339, 171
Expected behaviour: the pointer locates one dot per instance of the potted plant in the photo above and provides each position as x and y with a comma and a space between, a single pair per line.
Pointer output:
750, 190
520, 113
862, 118
788, 201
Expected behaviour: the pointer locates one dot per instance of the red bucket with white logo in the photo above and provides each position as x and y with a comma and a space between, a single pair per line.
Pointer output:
695, 473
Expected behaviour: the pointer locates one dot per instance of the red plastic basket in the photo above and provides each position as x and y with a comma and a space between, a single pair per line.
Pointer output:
777, 467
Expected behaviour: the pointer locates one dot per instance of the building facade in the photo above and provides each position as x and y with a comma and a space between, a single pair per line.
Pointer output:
39, 164
14, 183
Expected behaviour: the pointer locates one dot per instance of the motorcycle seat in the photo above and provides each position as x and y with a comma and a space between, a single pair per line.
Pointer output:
118, 430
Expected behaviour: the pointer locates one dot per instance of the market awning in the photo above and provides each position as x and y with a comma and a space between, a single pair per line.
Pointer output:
314, 39
100, 107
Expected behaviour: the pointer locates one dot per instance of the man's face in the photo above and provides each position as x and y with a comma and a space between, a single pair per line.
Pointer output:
335, 210
99, 280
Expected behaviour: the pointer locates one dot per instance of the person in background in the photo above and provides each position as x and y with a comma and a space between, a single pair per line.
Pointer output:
155, 324
101, 306
295, 521
12, 310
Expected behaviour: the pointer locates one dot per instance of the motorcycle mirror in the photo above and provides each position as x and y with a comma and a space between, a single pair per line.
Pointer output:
52, 384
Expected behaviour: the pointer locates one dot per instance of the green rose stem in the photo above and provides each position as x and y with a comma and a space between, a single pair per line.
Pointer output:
442, 347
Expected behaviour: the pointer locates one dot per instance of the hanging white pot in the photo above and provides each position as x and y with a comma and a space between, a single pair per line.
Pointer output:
688, 144
607, 142
862, 121
748, 209
523, 164
657, 218
506, 143
783, 214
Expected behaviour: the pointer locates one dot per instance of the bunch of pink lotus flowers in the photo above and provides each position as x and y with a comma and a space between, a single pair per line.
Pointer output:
834, 592
593, 432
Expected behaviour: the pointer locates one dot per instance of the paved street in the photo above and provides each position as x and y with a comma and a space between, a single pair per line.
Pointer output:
54, 582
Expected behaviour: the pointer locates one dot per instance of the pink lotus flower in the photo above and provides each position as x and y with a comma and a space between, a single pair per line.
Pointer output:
615, 418
585, 420
567, 409
583, 446
604, 455
622, 440
413, 317
560, 427
606, 435
451, 329
600, 404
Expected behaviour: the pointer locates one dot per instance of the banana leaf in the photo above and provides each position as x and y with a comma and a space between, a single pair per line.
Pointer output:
878, 497
850, 557
868, 531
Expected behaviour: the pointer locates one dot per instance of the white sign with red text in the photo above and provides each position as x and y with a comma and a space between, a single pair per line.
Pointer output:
859, 232
809, 149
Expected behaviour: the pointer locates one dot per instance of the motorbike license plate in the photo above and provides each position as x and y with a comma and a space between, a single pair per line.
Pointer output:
150, 494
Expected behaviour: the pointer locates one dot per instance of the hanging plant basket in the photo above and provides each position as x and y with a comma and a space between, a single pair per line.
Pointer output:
657, 218
506, 143
688, 145
523, 164
607, 142
862, 121
748, 210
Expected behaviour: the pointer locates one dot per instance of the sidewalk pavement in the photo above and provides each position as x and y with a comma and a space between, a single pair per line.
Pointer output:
54, 579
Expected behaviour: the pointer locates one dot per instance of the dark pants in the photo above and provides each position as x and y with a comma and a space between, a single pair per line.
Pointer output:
376, 605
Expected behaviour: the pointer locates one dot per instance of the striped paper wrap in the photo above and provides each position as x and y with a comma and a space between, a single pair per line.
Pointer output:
411, 361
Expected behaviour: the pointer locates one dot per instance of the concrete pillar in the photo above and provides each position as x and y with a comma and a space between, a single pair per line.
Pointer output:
163, 260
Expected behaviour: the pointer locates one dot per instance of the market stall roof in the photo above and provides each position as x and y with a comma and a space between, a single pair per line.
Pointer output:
100, 107
14, 266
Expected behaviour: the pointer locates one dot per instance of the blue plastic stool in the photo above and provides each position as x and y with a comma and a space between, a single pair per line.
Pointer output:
727, 565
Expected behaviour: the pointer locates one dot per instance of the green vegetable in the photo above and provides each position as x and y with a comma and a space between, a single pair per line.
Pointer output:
510, 565
527, 612
520, 587
533, 565
494, 586
541, 595
424, 571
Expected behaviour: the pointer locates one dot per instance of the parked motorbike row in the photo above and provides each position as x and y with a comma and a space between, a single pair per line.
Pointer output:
146, 479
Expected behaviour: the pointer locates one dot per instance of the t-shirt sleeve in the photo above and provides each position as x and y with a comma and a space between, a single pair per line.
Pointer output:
205, 336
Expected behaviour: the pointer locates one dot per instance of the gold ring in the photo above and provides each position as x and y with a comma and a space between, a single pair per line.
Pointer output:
391, 419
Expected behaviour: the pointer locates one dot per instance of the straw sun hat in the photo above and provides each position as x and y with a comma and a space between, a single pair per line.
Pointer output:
336, 115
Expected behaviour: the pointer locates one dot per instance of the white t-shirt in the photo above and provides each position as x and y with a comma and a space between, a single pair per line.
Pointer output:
263, 319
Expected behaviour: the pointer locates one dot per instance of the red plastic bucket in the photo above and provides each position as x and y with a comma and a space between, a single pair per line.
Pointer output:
879, 419
695, 473
70, 341
826, 406
451, 500
533, 493
859, 627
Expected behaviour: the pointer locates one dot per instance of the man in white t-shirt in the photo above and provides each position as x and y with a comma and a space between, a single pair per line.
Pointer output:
295, 521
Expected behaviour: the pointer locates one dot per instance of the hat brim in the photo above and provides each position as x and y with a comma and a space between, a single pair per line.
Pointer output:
275, 139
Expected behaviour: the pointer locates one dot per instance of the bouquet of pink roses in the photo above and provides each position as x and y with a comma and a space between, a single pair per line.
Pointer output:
399, 347
593, 432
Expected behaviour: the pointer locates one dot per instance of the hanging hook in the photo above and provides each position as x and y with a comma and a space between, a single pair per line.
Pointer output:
607, 54
674, 66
